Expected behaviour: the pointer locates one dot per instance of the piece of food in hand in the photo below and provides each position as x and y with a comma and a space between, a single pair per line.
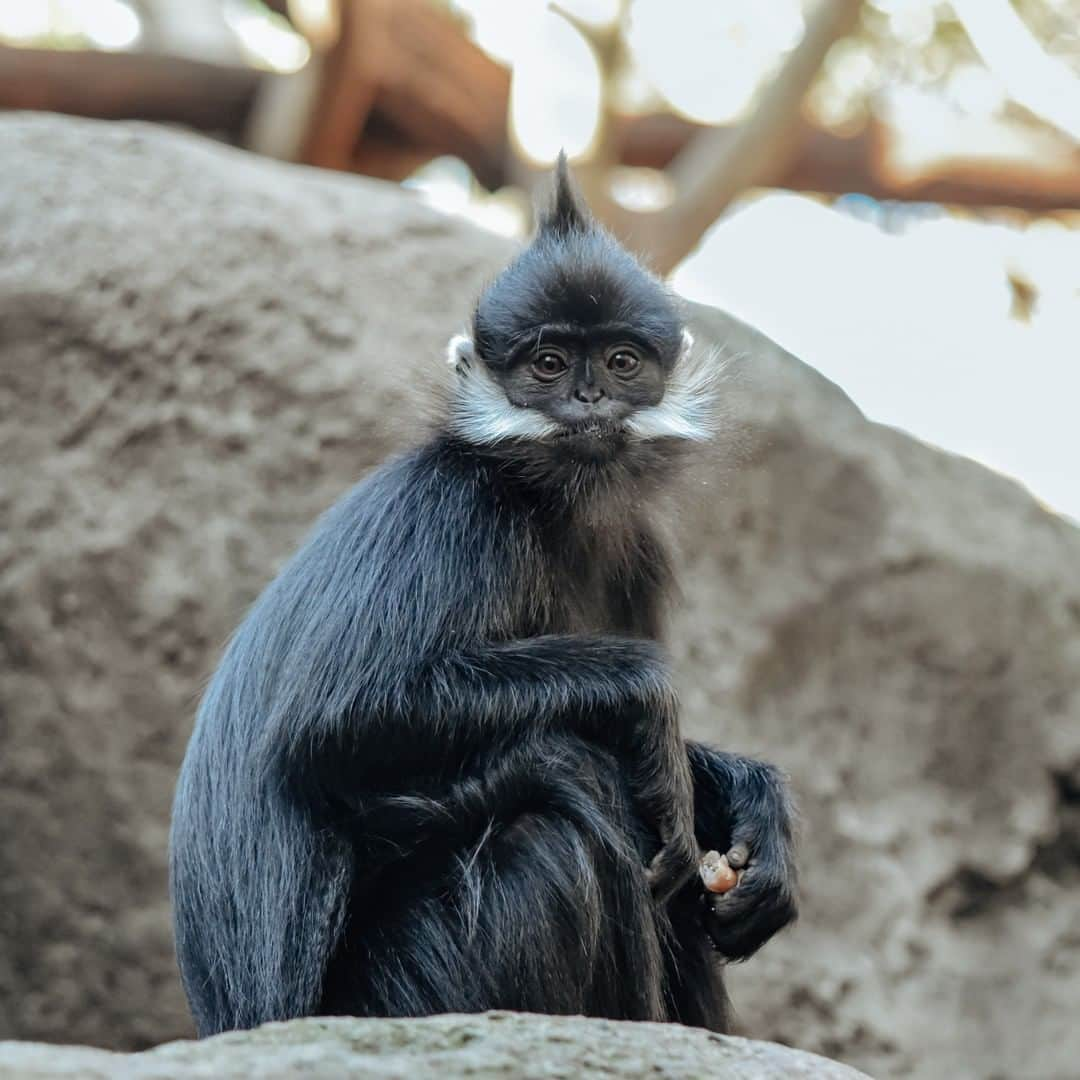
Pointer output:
716, 874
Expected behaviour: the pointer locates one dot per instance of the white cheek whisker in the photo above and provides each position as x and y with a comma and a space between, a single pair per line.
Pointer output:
480, 412
688, 408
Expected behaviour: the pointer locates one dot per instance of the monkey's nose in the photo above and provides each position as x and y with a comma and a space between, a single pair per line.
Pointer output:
590, 395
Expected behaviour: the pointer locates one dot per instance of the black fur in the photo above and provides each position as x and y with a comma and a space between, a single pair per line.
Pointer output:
573, 274
438, 768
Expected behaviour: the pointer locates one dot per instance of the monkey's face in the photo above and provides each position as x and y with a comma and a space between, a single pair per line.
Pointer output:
586, 393
572, 345
587, 382
577, 347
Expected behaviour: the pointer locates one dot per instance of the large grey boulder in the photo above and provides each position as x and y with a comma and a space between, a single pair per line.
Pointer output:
200, 350
488, 1046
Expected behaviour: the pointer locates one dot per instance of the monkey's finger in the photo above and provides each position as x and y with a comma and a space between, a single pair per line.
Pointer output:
738, 855
758, 894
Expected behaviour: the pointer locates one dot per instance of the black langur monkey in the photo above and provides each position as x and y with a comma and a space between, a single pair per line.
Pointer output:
439, 767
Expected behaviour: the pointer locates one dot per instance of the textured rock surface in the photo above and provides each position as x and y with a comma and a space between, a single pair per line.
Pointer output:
199, 351
488, 1047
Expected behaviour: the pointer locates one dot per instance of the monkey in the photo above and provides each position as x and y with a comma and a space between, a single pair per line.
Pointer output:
439, 767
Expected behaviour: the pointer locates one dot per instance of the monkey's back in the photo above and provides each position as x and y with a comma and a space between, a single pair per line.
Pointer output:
407, 564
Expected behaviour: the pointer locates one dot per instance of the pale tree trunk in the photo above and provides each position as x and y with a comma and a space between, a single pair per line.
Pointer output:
195, 29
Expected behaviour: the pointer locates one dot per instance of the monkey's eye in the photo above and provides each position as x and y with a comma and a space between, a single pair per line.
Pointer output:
548, 365
623, 361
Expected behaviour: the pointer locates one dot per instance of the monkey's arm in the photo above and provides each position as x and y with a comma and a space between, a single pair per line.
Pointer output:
606, 689
609, 689
743, 807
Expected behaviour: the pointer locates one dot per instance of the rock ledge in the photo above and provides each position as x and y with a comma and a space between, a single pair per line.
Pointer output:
492, 1045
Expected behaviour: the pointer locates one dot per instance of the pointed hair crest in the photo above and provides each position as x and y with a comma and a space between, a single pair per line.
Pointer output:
574, 273
567, 211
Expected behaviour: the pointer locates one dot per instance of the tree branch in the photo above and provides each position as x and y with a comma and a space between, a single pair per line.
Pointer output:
128, 86
718, 165
1043, 85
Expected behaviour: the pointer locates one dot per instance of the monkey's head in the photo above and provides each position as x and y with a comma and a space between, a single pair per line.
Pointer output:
576, 346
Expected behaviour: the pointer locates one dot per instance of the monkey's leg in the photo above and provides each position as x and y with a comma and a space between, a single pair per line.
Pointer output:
695, 971
528, 896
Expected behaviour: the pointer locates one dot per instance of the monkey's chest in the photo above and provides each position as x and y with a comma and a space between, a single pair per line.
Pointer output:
581, 609
575, 580
577, 603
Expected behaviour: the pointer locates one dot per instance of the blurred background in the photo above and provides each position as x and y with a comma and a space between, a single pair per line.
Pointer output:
202, 347
888, 188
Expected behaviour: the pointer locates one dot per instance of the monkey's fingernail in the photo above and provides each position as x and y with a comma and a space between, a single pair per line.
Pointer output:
738, 856
716, 875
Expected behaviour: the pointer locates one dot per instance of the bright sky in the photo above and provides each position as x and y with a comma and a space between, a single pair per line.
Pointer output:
916, 327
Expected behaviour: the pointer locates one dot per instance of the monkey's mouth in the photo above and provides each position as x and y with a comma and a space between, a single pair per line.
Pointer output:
593, 431
593, 442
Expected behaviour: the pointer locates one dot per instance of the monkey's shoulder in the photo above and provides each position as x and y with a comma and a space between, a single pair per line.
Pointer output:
419, 535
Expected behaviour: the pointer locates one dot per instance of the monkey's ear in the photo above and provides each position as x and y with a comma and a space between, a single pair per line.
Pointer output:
460, 352
567, 213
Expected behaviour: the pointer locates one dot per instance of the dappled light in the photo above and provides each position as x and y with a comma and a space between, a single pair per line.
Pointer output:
103, 24
266, 40
712, 74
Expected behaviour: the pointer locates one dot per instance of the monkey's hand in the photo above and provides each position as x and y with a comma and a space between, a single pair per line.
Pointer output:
749, 892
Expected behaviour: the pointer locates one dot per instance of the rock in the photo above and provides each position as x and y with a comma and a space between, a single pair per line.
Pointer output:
200, 350
485, 1046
